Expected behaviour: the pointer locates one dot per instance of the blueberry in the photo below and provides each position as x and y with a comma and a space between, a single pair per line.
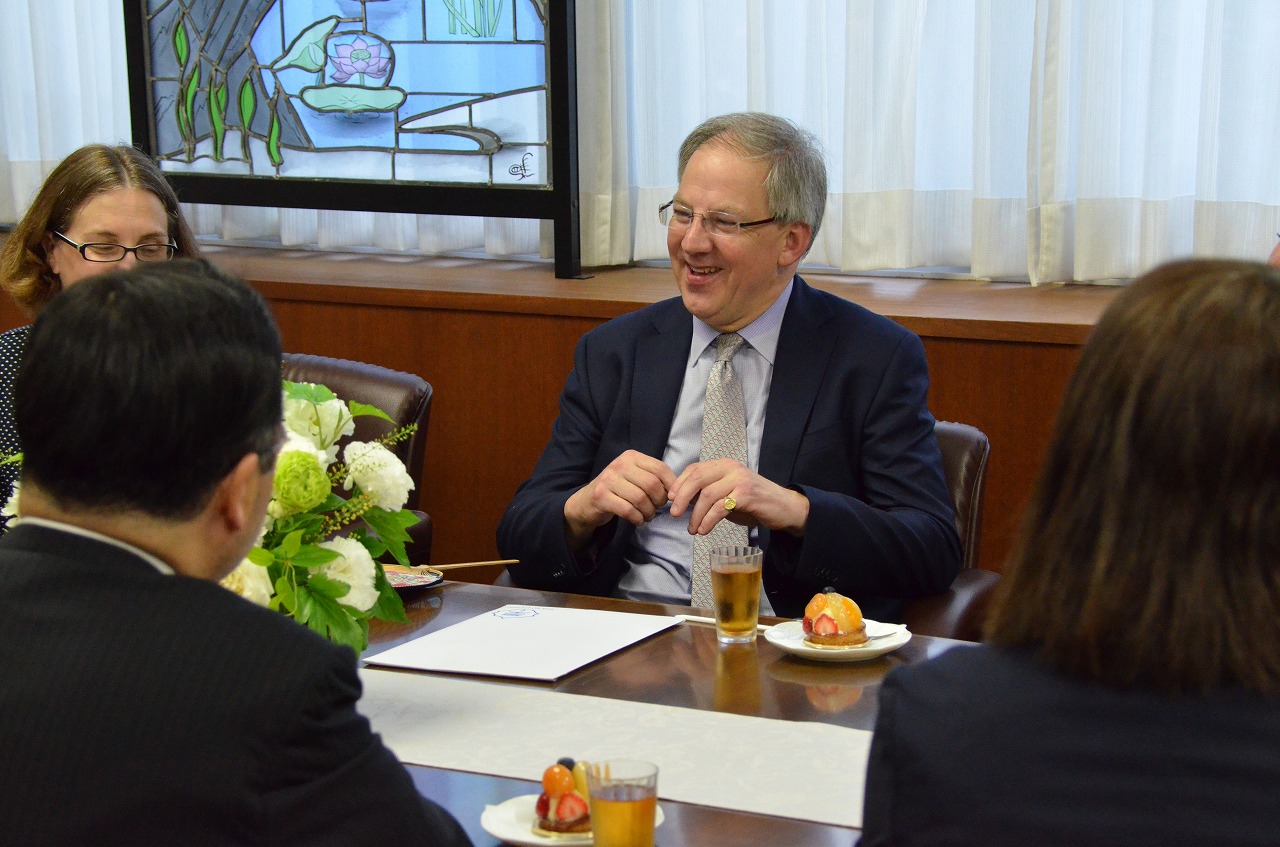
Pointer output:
566, 761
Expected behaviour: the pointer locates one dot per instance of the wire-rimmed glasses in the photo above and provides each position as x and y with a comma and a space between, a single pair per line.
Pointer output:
105, 251
677, 217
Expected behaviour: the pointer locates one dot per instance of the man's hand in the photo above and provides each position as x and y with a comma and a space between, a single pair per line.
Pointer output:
703, 487
633, 487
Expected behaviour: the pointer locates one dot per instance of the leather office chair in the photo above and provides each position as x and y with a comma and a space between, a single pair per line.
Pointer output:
405, 397
961, 610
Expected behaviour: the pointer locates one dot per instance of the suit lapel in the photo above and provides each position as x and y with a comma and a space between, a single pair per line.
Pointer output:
804, 349
661, 357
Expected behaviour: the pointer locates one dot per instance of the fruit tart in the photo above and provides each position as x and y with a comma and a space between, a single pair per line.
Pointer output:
833, 620
562, 807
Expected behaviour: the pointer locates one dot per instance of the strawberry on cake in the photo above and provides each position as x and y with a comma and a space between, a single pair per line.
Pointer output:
833, 620
562, 807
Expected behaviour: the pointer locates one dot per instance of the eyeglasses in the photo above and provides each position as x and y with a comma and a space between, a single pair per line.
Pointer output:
681, 218
103, 251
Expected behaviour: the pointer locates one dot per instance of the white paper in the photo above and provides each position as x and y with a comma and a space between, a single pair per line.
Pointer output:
525, 642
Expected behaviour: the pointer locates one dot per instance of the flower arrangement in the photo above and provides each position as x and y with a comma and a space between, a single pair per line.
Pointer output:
317, 558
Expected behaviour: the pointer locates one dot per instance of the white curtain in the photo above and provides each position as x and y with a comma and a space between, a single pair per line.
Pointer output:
1052, 140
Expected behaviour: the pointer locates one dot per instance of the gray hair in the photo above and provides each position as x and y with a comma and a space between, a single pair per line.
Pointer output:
797, 182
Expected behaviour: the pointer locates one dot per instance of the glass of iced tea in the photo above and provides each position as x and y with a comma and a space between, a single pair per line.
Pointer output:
735, 587
624, 802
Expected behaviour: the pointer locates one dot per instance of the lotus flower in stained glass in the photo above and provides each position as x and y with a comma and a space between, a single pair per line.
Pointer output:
360, 57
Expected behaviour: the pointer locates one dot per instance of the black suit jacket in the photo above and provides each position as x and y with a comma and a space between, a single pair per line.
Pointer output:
139, 708
985, 747
846, 424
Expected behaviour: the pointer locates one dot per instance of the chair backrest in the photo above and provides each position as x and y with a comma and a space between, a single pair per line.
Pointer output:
404, 396
964, 463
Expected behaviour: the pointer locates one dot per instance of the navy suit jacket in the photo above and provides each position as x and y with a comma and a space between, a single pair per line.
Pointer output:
846, 425
986, 747
140, 708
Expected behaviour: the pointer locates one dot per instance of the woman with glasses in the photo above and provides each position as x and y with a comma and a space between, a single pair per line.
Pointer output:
101, 208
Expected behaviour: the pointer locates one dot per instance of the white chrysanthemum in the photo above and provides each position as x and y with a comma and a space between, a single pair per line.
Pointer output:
250, 581
322, 424
10, 509
379, 473
355, 567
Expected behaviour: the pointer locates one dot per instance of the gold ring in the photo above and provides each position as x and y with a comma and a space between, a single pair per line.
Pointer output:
729, 503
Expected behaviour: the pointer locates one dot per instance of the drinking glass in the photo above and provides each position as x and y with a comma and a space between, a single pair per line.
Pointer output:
735, 588
624, 802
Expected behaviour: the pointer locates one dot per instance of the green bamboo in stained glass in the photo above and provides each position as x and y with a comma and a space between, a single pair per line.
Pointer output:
273, 142
248, 103
217, 112
189, 104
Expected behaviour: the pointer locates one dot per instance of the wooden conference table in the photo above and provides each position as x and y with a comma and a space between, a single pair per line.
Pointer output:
683, 667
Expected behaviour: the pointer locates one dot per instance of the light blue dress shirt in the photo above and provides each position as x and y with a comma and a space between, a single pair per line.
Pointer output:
660, 556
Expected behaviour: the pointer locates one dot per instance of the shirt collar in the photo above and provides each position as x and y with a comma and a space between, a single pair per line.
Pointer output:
149, 558
762, 333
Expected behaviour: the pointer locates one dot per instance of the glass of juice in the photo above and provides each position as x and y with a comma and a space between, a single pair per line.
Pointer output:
735, 587
624, 802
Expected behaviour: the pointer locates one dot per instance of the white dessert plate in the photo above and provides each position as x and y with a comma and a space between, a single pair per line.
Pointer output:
884, 638
511, 821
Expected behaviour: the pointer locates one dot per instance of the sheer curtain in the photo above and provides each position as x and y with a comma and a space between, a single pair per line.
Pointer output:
1057, 140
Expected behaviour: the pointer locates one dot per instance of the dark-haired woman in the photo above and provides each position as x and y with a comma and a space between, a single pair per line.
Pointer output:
1129, 692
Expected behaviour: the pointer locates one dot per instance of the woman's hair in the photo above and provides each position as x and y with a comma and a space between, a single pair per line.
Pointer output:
1150, 552
86, 173
796, 185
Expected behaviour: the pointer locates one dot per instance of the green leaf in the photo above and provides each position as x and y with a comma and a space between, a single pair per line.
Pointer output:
390, 528
181, 45
306, 391
260, 556
248, 104
361, 409
218, 108
335, 622
306, 606
322, 584
189, 97
307, 50
273, 142
291, 545
328, 504
311, 556
285, 594
12, 459
389, 606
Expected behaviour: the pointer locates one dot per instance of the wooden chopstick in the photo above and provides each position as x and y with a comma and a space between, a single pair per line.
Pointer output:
461, 565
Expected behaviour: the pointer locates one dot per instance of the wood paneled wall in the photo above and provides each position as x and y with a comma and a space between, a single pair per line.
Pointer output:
495, 340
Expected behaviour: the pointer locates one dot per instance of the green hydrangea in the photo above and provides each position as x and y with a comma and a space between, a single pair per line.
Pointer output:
300, 482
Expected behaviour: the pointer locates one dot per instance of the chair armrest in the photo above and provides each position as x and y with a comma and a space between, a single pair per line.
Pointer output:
959, 612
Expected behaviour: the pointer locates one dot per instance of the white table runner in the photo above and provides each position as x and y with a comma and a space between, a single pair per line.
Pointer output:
758, 765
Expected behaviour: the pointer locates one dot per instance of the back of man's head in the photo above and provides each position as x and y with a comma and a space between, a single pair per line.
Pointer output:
141, 389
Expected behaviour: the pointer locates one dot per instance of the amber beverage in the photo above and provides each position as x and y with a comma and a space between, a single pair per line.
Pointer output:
735, 588
624, 802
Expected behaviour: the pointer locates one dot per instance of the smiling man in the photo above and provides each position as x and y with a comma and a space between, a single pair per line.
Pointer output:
828, 461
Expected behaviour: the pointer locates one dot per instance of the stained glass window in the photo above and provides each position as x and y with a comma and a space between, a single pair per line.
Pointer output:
440, 106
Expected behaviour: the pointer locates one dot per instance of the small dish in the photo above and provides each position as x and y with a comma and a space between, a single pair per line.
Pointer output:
885, 638
511, 822
404, 578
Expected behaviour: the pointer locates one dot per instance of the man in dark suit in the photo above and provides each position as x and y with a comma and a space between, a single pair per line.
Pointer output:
842, 482
143, 703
